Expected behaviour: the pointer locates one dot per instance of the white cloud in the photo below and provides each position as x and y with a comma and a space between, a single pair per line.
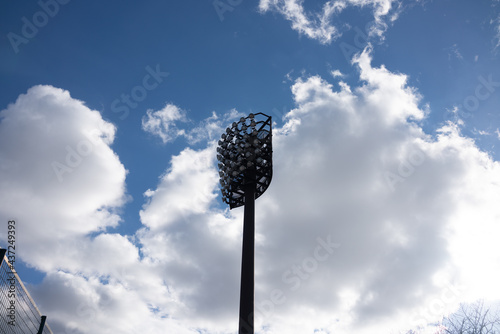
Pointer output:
401, 241
193, 241
211, 127
496, 24
480, 132
319, 26
336, 74
454, 52
76, 304
187, 187
161, 123
368, 224
94, 279
59, 177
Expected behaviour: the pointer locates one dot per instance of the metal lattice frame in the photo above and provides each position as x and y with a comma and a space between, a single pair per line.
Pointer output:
245, 156
28, 317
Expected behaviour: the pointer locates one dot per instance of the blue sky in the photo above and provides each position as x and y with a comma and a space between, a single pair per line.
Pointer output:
387, 105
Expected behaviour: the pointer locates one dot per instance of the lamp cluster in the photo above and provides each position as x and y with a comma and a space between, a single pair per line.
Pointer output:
245, 156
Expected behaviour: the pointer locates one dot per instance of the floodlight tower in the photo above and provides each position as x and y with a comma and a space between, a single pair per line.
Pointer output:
245, 170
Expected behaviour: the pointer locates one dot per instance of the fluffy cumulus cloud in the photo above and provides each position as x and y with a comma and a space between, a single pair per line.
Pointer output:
354, 168
320, 25
370, 225
59, 177
77, 304
195, 242
161, 123
164, 124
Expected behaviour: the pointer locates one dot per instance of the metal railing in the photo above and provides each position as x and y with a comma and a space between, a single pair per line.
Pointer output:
18, 311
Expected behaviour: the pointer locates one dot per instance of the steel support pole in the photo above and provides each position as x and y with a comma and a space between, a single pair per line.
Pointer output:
247, 260
2, 254
42, 324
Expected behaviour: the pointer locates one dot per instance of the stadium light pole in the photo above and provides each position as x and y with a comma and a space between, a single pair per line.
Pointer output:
245, 170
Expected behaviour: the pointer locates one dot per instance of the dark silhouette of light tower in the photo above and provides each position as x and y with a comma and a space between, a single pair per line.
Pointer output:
245, 169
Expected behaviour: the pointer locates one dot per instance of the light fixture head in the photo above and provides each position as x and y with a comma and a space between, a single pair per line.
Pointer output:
245, 155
